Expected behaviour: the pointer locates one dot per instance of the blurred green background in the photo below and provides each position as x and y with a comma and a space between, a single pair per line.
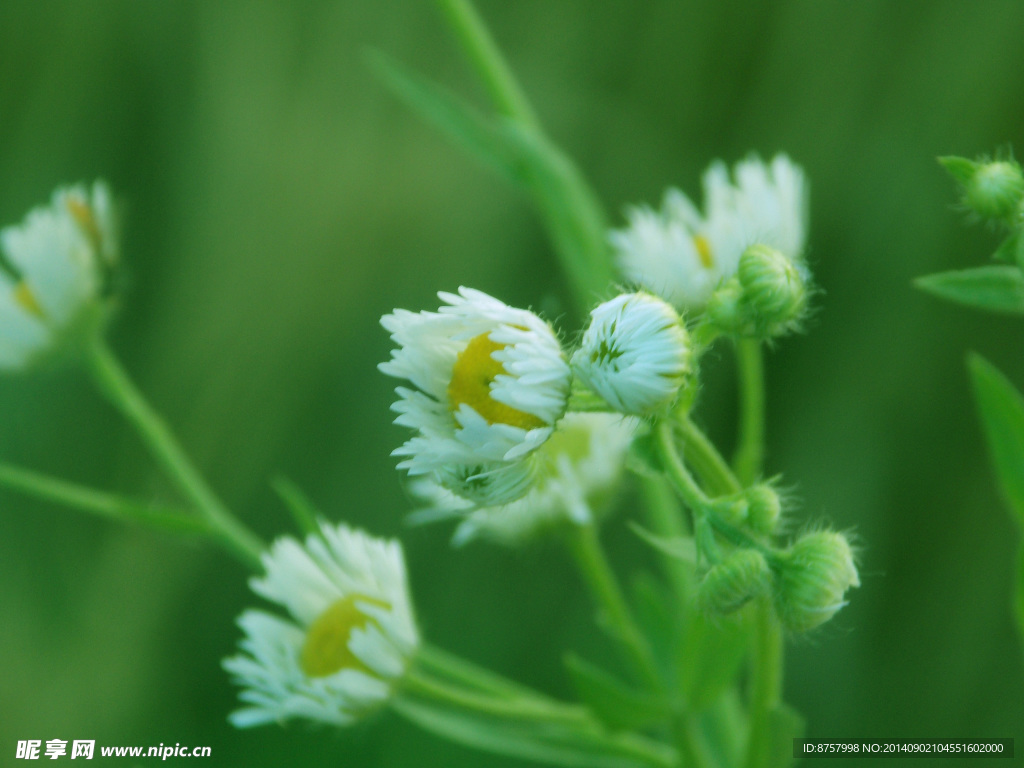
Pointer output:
278, 201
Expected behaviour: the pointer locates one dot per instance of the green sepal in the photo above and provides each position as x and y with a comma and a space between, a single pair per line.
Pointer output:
552, 744
614, 702
1002, 415
303, 512
995, 288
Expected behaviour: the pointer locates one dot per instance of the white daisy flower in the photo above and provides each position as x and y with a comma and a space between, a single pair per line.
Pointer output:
682, 255
635, 354
491, 382
575, 474
348, 640
53, 270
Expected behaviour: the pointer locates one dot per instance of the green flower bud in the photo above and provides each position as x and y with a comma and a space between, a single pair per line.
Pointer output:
994, 190
742, 576
813, 577
774, 292
724, 308
764, 508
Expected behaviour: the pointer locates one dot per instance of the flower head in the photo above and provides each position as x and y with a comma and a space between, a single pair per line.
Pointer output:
813, 579
635, 354
682, 254
348, 639
574, 472
490, 383
53, 271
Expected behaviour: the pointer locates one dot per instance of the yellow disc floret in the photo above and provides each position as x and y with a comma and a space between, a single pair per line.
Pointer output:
25, 299
703, 247
472, 375
326, 648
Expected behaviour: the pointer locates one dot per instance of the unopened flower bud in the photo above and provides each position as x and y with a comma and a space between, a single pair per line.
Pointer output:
739, 578
635, 354
725, 309
993, 190
774, 292
813, 577
764, 508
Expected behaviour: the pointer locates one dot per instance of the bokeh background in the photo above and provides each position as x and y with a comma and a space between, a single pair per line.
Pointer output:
278, 200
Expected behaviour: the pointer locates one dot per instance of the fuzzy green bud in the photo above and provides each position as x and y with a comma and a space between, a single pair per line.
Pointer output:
764, 508
774, 292
724, 308
739, 578
994, 190
813, 576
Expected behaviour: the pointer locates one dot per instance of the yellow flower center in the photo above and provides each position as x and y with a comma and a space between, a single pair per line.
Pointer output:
25, 299
84, 217
704, 251
472, 375
326, 648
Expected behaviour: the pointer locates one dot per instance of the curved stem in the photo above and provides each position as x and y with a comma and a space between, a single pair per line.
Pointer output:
115, 383
416, 681
471, 675
706, 461
599, 577
486, 59
749, 454
101, 503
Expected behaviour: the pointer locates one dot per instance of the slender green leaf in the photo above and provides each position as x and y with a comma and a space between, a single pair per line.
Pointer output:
1002, 415
542, 743
615, 703
680, 548
995, 288
303, 512
710, 655
452, 116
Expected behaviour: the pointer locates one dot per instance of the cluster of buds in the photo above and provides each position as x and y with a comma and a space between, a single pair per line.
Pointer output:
807, 582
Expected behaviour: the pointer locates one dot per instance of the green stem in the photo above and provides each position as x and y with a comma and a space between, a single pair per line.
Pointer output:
108, 505
487, 61
115, 383
690, 741
600, 579
749, 454
668, 521
415, 681
695, 498
765, 683
469, 674
706, 461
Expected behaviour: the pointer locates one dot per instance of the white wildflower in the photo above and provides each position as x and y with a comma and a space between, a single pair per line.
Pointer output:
349, 637
682, 254
576, 473
53, 271
490, 383
635, 354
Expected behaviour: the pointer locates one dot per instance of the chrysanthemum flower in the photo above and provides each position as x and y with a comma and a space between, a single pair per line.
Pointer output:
574, 474
349, 637
52, 272
682, 254
635, 353
490, 383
